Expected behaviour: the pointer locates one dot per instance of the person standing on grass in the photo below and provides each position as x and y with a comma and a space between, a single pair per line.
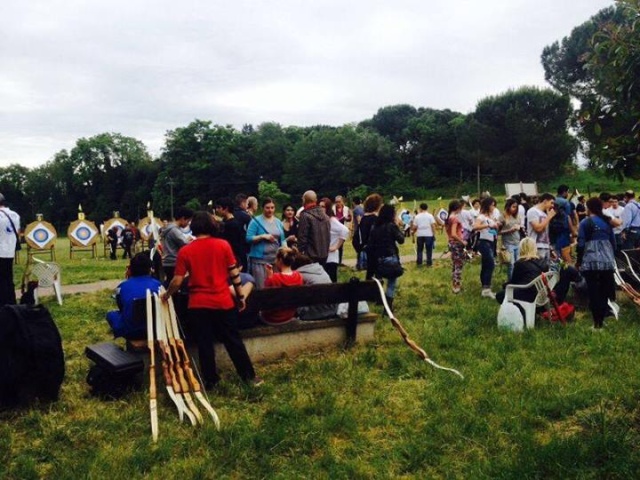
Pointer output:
615, 212
596, 258
538, 218
457, 244
314, 229
510, 232
343, 214
9, 238
173, 239
382, 247
210, 264
357, 214
488, 228
232, 229
423, 227
265, 235
337, 236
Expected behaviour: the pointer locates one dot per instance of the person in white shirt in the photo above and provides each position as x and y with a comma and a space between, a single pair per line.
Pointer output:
9, 228
423, 227
615, 212
538, 218
338, 234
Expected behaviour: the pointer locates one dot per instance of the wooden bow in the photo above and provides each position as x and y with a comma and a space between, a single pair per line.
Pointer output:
184, 358
153, 402
168, 367
405, 336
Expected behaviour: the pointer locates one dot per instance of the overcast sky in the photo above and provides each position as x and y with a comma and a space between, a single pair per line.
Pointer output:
77, 68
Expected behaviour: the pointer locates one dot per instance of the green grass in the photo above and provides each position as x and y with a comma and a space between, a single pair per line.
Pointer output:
555, 402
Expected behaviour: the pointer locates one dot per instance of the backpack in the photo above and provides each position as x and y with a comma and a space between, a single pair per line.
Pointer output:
31, 355
558, 223
127, 237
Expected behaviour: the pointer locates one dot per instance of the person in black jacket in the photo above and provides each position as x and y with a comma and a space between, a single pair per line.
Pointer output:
382, 248
529, 266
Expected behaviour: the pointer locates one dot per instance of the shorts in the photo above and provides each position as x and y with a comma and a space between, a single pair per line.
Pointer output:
562, 241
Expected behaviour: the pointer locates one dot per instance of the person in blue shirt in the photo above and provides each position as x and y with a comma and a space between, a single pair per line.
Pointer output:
122, 321
596, 247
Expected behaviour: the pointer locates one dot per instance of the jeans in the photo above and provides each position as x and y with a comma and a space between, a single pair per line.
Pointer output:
513, 250
392, 283
485, 247
631, 240
425, 243
361, 263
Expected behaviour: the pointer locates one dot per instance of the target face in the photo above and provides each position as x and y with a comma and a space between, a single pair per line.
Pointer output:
40, 235
443, 215
83, 232
146, 227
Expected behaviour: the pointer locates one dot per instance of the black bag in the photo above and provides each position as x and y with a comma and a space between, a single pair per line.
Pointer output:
31, 355
109, 385
389, 267
474, 240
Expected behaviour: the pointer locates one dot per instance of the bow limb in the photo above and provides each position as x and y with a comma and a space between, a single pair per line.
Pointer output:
405, 336
173, 388
193, 381
184, 385
153, 402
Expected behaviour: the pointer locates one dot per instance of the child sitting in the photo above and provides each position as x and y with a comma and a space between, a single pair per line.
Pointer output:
285, 277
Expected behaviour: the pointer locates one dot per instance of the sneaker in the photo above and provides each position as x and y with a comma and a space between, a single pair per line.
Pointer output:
455, 290
255, 382
486, 292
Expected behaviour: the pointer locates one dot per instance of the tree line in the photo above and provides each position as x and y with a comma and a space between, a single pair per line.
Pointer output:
526, 134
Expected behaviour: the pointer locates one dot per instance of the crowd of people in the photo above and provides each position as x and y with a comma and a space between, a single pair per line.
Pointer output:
579, 239
219, 257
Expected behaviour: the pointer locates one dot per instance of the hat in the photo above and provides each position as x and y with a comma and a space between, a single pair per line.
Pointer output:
629, 192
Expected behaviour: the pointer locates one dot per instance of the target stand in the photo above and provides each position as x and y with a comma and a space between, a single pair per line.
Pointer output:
83, 236
40, 237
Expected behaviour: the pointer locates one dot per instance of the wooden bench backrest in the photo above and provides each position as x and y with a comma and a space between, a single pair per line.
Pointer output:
307, 295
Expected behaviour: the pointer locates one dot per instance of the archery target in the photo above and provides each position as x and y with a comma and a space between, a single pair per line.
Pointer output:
83, 232
146, 228
117, 222
443, 215
40, 235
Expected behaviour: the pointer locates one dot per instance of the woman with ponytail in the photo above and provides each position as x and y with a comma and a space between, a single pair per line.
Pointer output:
457, 244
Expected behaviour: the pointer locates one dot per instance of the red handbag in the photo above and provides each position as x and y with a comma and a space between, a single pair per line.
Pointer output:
559, 312
563, 313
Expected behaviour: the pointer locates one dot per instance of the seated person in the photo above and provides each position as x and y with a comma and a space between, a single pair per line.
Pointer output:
528, 267
285, 277
139, 280
313, 274
246, 319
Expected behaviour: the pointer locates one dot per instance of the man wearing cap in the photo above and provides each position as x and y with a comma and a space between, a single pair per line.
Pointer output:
9, 228
630, 222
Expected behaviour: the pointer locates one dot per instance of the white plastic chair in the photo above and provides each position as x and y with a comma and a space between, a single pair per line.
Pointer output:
48, 275
541, 300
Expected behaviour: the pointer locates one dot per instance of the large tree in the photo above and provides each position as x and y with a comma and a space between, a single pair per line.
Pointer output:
201, 162
519, 135
597, 65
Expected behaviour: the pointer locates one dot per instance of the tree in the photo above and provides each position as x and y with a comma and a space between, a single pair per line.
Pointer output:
205, 162
519, 135
592, 65
614, 64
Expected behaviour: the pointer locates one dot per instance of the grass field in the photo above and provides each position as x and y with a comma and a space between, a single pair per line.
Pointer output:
555, 402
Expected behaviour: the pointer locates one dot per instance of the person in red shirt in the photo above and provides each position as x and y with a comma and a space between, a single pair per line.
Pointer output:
209, 262
286, 277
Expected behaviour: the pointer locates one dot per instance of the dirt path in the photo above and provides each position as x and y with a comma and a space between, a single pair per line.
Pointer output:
112, 284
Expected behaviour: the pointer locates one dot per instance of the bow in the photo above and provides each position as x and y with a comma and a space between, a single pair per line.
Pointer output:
168, 367
153, 402
405, 336
193, 381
